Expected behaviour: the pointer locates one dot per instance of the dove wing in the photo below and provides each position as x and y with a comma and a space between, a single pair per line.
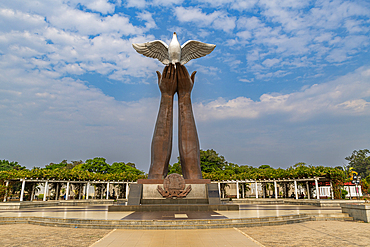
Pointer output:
194, 49
154, 49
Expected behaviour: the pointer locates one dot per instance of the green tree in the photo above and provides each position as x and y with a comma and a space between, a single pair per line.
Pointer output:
96, 165
6, 165
210, 161
119, 167
264, 166
175, 168
63, 164
360, 161
52, 166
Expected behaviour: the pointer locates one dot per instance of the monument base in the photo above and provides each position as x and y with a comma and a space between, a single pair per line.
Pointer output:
187, 181
146, 196
175, 208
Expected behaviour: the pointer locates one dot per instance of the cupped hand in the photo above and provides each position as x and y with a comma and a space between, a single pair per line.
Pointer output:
184, 81
167, 81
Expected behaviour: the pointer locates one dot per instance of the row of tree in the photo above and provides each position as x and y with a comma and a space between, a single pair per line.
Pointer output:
213, 165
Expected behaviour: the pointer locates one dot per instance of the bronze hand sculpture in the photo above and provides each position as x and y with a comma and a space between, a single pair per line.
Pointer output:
188, 137
175, 80
162, 136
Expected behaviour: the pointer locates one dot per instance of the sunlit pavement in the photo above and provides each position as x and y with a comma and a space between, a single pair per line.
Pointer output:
101, 212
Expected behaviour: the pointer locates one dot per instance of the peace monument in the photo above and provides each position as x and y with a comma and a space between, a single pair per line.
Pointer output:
175, 79
162, 192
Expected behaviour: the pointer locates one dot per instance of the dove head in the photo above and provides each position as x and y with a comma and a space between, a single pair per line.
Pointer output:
174, 37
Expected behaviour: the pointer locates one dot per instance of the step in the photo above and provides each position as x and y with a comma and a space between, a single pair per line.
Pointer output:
175, 224
171, 226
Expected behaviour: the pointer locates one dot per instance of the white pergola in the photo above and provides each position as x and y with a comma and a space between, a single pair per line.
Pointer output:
275, 182
68, 183
127, 183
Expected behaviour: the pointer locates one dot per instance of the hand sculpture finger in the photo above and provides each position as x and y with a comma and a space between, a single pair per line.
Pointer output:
171, 72
159, 76
165, 71
193, 76
183, 71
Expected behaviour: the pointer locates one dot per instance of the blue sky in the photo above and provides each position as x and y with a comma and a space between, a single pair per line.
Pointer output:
288, 82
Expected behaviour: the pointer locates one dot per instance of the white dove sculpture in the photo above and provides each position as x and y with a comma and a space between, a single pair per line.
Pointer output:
174, 53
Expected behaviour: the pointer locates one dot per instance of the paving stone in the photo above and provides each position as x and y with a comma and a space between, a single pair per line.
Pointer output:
314, 233
31, 235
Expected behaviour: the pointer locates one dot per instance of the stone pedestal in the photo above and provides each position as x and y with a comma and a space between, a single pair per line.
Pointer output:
147, 190
145, 196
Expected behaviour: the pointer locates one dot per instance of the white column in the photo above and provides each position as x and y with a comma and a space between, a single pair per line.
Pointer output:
107, 190
317, 189
276, 195
237, 190
243, 186
57, 192
67, 191
127, 188
331, 191
87, 190
45, 190
256, 189
32, 192
6, 193
308, 190
219, 188
295, 189
22, 190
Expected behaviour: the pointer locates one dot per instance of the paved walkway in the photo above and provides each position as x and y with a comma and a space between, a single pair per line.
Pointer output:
25, 235
177, 238
314, 233
329, 233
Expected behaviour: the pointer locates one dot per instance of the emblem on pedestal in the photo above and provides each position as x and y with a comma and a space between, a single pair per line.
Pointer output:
174, 186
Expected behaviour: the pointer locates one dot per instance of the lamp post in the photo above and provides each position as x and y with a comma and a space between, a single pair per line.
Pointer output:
356, 181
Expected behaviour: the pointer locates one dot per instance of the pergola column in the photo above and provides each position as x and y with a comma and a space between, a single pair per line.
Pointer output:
45, 190
87, 190
237, 190
127, 189
108, 190
308, 190
80, 188
22, 190
255, 183
243, 186
295, 189
32, 192
67, 191
219, 188
57, 192
6, 192
275, 185
317, 189
331, 191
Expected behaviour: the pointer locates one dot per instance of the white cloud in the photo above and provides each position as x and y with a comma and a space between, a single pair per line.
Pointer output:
217, 19
344, 96
102, 6
61, 43
62, 114
86, 23
289, 30
271, 62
